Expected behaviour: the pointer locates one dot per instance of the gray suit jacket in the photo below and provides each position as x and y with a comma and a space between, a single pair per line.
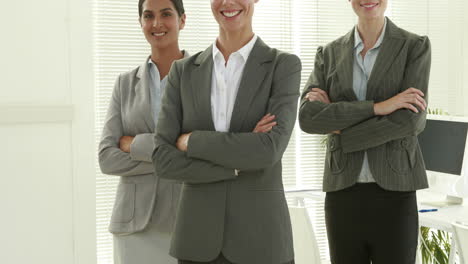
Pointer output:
395, 158
130, 114
244, 217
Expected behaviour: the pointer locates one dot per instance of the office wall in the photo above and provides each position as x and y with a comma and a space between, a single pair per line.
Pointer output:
46, 128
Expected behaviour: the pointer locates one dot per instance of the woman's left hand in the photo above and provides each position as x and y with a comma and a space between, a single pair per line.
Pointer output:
182, 142
317, 94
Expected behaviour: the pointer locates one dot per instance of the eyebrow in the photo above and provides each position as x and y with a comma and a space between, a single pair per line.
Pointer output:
162, 10
166, 9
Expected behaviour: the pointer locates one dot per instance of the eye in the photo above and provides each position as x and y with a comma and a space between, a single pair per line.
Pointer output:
166, 14
147, 16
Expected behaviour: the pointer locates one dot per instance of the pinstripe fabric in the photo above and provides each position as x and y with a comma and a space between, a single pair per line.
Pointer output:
395, 159
362, 68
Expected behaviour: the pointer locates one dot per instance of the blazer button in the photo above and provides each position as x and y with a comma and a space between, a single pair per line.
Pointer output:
404, 143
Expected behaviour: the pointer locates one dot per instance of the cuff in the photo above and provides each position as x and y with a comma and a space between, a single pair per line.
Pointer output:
142, 147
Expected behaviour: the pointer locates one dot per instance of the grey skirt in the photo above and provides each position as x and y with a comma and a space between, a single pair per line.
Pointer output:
150, 246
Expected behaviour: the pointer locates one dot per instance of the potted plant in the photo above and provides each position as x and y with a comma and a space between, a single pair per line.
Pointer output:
435, 246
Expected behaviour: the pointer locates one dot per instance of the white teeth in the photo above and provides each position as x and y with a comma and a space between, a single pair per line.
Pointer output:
159, 34
231, 14
369, 5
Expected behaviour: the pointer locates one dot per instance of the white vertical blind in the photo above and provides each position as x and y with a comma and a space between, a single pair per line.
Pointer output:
294, 26
118, 46
442, 21
314, 23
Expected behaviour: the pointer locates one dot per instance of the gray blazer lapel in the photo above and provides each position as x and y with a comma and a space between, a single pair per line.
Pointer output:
391, 45
201, 86
344, 65
143, 96
252, 77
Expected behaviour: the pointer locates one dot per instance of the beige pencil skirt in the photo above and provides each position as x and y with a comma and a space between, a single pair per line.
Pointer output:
150, 246
143, 248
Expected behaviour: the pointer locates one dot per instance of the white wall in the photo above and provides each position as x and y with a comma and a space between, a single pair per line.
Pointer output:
46, 127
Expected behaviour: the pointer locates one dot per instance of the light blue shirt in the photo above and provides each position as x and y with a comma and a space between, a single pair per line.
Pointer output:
157, 87
362, 70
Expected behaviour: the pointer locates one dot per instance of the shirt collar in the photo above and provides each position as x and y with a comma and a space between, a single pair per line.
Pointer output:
153, 68
244, 51
358, 40
151, 63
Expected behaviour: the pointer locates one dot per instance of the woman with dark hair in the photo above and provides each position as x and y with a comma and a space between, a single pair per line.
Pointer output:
368, 92
145, 205
144, 209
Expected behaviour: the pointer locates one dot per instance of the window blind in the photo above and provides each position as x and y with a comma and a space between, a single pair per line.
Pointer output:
442, 21
119, 46
294, 26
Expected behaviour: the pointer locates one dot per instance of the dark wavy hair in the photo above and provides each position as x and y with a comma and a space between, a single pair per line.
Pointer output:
178, 4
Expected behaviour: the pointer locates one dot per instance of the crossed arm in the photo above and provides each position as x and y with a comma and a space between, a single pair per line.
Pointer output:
124, 155
117, 154
363, 124
219, 153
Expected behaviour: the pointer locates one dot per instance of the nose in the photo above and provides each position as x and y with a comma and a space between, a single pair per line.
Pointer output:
156, 23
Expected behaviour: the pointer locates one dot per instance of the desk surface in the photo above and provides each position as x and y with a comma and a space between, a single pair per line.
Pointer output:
443, 218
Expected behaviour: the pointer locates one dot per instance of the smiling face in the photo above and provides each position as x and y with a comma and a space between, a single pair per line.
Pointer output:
369, 9
160, 23
233, 15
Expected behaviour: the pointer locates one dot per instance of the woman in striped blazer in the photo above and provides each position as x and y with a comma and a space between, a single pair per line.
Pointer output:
368, 92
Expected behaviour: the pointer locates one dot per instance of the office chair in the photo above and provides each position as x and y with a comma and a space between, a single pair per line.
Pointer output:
305, 245
460, 232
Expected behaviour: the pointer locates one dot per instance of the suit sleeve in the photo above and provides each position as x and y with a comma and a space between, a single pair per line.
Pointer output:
112, 160
320, 118
249, 151
170, 163
401, 123
142, 147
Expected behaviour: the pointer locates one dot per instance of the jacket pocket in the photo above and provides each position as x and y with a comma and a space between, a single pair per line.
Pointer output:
401, 154
124, 206
336, 158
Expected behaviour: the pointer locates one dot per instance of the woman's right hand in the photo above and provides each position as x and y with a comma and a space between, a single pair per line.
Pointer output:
265, 124
409, 99
125, 142
317, 94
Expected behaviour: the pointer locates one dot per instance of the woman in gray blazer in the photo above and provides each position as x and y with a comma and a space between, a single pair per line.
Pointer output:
145, 206
232, 205
368, 92
144, 209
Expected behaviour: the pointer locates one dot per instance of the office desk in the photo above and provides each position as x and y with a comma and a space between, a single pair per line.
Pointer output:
443, 218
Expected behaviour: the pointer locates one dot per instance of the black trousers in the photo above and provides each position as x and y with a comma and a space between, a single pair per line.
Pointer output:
366, 223
220, 260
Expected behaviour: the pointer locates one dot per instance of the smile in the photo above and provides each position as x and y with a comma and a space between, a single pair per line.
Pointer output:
158, 34
230, 14
369, 5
